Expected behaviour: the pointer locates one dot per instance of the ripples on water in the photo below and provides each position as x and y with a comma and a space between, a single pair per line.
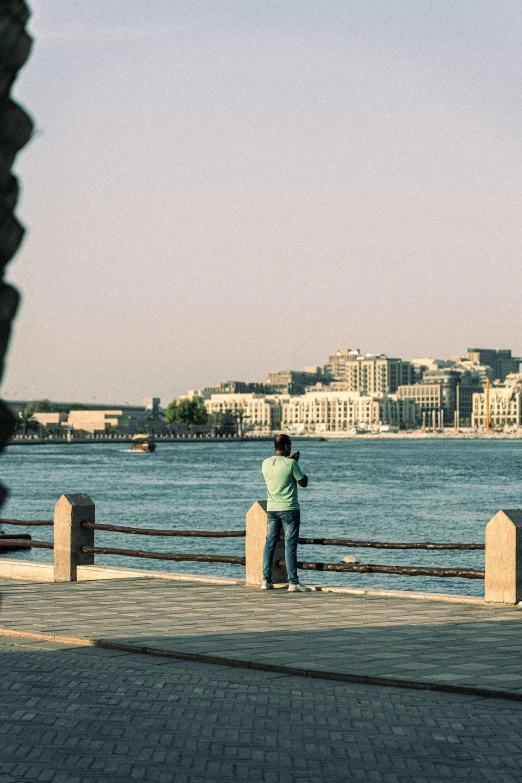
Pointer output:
402, 490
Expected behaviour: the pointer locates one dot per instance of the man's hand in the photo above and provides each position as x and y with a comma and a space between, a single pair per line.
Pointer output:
296, 456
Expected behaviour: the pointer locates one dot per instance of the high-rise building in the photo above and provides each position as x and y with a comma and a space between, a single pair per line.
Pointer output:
229, 387
428, 398
368, 373
292, 381
499, 359
377, 374
420, 366
477, 372
444, 391
335, 367
457, 392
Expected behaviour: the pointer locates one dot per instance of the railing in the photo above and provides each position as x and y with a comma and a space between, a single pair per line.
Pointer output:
92, 550
178, 558
192, 558
256, 521
74, 545
360, 568
28, 522
375, 568
20, 542
387, 544
23, 540
147, 531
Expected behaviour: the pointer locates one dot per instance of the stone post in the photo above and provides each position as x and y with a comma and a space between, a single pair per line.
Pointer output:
256, 529
503, 582
70, 536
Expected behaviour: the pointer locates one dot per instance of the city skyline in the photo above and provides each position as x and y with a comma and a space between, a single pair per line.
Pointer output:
215, 189
268, 384
352, 393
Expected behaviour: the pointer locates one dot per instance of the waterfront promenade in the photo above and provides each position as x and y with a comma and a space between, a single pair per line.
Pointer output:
468, 647
111, 680
76, 713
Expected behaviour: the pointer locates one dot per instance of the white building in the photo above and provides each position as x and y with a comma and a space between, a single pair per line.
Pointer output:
254, 411
505, 406
127, 419
325, 411
93, 421
85, 420
49, 420
315, 411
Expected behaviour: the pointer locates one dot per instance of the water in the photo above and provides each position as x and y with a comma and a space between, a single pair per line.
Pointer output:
404, 490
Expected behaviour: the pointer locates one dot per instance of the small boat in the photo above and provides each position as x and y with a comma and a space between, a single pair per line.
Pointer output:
143, 443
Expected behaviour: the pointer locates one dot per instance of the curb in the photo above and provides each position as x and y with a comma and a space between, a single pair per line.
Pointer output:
387, 682
38, 571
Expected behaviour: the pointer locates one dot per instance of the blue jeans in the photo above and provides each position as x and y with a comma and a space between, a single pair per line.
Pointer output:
290, 522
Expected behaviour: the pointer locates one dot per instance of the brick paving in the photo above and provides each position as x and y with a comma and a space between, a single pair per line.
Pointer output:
432, 643
72, 714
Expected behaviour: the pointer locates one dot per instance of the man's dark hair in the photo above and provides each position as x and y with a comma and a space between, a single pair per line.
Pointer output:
281, 442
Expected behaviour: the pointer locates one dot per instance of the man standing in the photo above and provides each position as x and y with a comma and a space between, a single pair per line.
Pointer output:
282, 475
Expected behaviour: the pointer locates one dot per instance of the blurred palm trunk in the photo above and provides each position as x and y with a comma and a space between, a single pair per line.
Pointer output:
16, 128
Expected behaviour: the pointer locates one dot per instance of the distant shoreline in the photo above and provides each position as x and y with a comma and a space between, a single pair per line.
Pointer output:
421, 435
326, 436
83, 441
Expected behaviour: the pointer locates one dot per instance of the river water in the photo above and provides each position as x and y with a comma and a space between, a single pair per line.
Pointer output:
404, 490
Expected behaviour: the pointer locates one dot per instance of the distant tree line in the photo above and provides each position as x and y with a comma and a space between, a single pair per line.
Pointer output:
186, 411
46, 406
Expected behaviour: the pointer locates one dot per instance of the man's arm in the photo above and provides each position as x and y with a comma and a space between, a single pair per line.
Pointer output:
303, 481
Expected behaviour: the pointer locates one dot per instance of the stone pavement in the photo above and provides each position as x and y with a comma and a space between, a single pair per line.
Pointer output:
473, 648
71, 714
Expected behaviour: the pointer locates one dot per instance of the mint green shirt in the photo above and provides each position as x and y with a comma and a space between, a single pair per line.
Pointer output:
281, 475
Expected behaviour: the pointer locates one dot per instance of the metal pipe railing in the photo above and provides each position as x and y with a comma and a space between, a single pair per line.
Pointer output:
375, 568
347, 542
144, 531
359, 568
75, 547
28, 522
387, 544
16, 542
102, 550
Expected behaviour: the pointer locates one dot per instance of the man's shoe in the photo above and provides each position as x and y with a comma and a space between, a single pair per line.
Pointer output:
267, 585
297, 588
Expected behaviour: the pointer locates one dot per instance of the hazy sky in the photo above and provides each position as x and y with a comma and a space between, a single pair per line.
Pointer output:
224, 187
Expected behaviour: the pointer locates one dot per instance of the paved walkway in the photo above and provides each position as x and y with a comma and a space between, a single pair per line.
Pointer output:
84, 715
470, 648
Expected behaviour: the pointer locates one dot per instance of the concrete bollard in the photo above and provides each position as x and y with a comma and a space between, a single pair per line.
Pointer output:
256, 530
503, 579
69, 536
